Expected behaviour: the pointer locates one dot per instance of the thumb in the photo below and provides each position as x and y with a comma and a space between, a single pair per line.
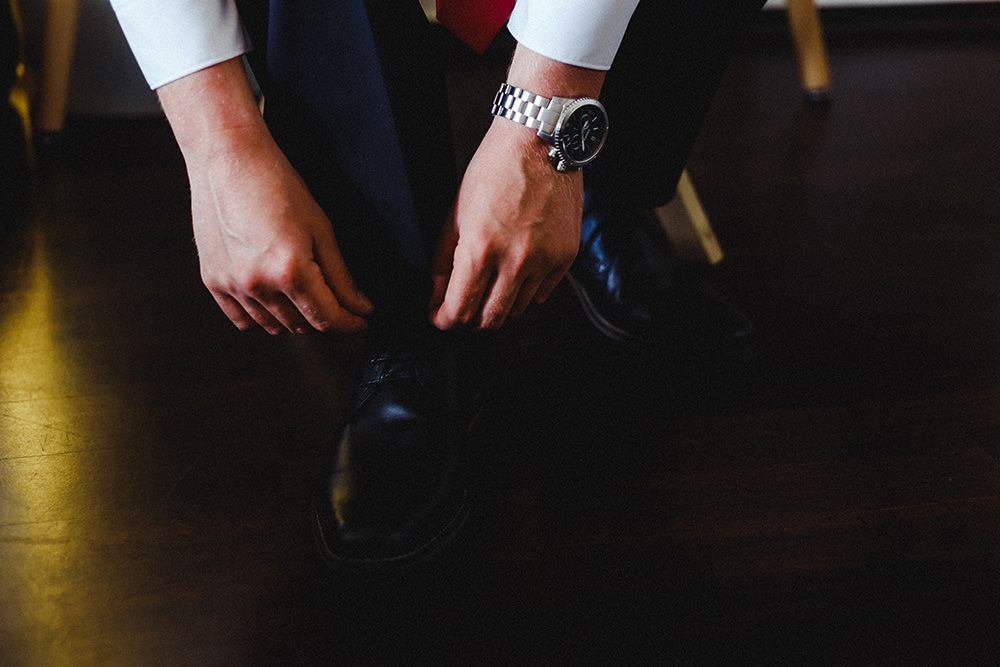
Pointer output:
443, 260
339, 278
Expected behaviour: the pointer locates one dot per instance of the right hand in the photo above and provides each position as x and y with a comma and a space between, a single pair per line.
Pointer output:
268, 253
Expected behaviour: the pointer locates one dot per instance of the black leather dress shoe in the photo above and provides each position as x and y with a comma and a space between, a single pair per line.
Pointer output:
634, 289
394, 492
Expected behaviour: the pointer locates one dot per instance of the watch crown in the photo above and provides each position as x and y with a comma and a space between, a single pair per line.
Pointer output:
557, 161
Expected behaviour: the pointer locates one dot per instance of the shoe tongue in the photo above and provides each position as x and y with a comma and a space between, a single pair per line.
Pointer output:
386, 365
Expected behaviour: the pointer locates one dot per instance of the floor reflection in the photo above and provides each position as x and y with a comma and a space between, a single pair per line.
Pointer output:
50, 486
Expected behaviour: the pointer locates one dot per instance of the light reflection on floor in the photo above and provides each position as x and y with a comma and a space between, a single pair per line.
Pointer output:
48, 493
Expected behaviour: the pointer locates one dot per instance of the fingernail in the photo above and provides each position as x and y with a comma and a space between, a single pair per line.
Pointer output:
366, 302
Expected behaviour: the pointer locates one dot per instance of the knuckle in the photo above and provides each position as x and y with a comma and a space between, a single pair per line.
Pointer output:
486, 251
322, 325
455, 316
336, 325
444, 323
214, 284
289, 278
521, 257
339, 322
252, 282
263, 280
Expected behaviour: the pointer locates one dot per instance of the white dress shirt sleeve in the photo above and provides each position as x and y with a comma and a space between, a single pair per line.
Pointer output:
586, 33
173, 38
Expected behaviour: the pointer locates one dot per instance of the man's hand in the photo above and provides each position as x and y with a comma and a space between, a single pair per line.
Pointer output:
513, 233
268, 253
515, 226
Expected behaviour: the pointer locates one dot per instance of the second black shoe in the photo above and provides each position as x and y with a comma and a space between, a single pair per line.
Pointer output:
394, 492
633, 288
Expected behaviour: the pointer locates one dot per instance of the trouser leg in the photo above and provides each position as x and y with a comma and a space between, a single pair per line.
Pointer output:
658, 93
355, 101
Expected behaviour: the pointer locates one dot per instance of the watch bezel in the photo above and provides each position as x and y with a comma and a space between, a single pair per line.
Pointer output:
560, 157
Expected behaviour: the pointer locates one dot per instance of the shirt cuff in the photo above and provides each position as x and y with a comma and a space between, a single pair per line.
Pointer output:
173, 38
585, 34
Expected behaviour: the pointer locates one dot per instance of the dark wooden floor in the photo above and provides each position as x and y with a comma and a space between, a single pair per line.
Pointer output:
841, 506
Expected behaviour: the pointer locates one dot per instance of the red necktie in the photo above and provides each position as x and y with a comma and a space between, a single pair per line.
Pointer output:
475, 22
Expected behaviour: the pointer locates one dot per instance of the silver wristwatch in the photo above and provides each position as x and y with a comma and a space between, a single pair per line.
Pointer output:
575, 128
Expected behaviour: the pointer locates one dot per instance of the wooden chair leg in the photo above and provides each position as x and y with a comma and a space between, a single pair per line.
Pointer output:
684, 219
810, 48
18, 98
687, 225
58, 45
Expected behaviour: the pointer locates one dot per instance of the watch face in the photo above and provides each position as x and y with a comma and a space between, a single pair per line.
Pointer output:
582, 132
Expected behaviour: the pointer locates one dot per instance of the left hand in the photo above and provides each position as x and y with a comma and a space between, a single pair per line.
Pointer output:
513, 233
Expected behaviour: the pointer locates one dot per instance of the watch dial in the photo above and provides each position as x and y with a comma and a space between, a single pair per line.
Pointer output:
583, 133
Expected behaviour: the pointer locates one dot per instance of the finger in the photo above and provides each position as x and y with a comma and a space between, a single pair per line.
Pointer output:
262, 316
286, 313
234, 311
444, 259
498, 302
339, 280
548, 285
463, 296
525, 296
317, 304
329, 316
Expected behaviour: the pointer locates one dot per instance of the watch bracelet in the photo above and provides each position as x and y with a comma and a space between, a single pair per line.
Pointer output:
526, 108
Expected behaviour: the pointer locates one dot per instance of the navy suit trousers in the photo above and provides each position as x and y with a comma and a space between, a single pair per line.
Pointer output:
356, 97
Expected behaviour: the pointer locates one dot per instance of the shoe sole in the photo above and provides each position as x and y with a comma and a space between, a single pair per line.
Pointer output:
594, 315
395, 564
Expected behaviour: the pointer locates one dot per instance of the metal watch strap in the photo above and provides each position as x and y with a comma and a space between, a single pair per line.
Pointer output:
524, 107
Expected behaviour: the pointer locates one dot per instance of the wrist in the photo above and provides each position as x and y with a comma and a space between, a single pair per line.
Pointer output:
570, 121
213, 112
522, 142
525, 154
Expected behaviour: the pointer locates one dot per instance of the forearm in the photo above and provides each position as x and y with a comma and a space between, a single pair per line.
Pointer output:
544, 76
213, 112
